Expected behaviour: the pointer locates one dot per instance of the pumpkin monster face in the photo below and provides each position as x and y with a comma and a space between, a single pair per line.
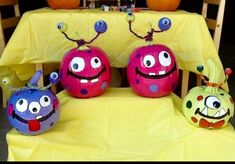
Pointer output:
85, 70
33, 111
152, 71
85, 73
206, 109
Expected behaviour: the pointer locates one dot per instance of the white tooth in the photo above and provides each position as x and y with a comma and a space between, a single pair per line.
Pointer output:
161, 72
205, 111
84, 81
222, 112
152, 74
217, 114
38, 117
94, 80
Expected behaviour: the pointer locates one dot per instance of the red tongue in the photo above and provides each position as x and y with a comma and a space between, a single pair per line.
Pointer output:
34, 125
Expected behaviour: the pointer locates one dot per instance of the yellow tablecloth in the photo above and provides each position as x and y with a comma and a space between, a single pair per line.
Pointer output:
120, 125
37, 39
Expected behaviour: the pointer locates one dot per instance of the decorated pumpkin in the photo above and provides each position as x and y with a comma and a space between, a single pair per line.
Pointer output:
85, 70
63, 4
32, 110
208, 106
163, 5
152, 70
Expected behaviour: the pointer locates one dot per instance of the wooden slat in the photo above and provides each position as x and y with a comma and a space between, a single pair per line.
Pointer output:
184, 84
215, 2
9, 22
8, 2
211, 23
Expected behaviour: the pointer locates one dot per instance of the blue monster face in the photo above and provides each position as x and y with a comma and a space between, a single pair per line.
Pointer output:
33, 111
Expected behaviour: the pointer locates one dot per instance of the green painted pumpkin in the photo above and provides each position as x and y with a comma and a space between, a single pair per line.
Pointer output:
208, 106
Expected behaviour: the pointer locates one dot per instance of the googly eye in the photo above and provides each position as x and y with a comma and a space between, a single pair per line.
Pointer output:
77, 64
45, 101
164, 23
100, 26
95, 62
6, 81
130, 17
164, 58
212, 102
34, 107
21, 105
54, 77
62, 26
149, 61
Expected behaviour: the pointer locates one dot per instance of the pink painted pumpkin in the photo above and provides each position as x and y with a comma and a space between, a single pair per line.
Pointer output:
152, 71
85, 71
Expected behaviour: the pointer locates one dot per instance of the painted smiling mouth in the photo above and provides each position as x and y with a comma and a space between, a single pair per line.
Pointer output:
161, 74
219, 115
38, 118
85, 79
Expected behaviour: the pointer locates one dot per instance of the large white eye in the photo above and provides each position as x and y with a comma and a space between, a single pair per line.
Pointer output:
21, 105
149, 61
212, 102
77, 64
34, 107
45, 101
95, 62
164, 58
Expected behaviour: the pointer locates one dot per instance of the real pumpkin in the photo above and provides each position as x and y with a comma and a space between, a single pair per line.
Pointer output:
63, 4
163, 5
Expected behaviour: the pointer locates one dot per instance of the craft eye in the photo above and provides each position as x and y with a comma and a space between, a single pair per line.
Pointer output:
130, 17
77, 64
164, 24
213, 102
34, 107
45, 101
95, 62
149, 61
62, 26
100, 26
21, 105
164, 58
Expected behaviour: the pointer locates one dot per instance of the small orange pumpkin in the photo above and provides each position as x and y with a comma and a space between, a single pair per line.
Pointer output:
63, 4
163, 5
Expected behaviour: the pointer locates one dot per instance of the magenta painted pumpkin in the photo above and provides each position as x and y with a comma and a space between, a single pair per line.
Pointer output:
85, 73
152, 71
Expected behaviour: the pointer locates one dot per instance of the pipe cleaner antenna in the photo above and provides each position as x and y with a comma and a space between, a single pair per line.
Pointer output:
100, 27
228, 72
164, 24
33, 83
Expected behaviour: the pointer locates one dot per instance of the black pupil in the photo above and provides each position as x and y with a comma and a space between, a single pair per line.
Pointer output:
75, 66
148, 62
45, 99
216, 104
96, 61
165, 22
100, 23
166, 55
35, 110
21, 102
59, 26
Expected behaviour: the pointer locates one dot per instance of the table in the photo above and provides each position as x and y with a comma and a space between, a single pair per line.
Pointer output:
37, 39
117, 125
121, 126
